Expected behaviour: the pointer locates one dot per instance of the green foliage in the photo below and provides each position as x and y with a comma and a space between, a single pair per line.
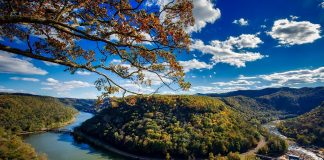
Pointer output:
252, 110
233, 156
275, 146
12, 147
20, 113
273, 103
307, 129
184, 126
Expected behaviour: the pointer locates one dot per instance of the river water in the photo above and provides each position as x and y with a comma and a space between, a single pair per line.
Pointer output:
62, 146
293, 147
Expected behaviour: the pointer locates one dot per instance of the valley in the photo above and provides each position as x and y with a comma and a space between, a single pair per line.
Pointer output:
177, 126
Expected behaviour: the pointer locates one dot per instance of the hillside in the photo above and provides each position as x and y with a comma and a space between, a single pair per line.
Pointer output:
277, 101
307, 129
85, 105
26, 113
252, 110
181, 126
13, 147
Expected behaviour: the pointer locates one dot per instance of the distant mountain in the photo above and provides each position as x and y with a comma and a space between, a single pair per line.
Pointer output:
288, 100
307, 128
85, 105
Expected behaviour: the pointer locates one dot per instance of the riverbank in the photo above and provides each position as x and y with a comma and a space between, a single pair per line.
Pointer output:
54, 126
294, 148
110, 148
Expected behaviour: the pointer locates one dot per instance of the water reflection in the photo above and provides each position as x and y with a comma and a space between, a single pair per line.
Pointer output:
61, 146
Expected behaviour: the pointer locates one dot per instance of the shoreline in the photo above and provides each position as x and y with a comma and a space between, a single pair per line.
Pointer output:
60, 125
110, 148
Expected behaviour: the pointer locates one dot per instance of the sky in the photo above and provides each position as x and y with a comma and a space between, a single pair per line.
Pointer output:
236, 45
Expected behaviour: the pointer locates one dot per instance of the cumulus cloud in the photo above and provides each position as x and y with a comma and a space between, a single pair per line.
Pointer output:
321, 5
83, 73
293, 78
244, 41
289, 78
296, 76
56, 85
194, 64
9, 63
204, 12
241, 22
229, 52
290, 32
24, 79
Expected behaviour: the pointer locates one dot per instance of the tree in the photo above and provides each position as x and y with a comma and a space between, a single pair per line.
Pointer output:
146, 38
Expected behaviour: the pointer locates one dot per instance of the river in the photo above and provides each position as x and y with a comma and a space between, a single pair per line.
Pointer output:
293, 148
62, 146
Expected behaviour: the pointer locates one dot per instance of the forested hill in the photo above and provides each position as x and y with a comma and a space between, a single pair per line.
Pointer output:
288, 100
85, 105
180, 126
25, 113
28, 113
306, 129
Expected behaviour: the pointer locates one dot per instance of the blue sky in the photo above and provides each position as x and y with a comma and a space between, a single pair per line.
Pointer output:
237, 44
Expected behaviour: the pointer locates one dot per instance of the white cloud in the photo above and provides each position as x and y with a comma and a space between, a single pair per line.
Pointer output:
24, 79
194, 64
236, 83
241, 22
295, 33
228, 51
293, 78
52, 80
83, 73
288, 78
115, 61
11, 64
204, 12
296, 76
321, 5
244, 41
138, 88
4, 89
50, 63
53, 84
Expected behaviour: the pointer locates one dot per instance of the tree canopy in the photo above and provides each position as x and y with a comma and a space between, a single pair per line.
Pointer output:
176, 126
145, 37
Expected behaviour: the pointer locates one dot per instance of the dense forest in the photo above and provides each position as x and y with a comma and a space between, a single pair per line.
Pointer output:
179, 126
275, 146
25, 113
307, 129
20, 113
251, 110
273, 103
12, 147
